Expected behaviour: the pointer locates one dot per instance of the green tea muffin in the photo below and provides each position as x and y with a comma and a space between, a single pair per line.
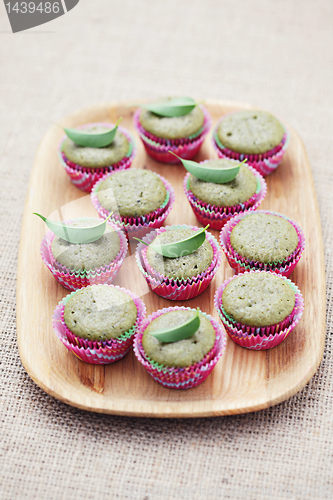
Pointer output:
172, 128
175, 127
237, 191
100, 313
264, 238
258, 299
132, 193
86, 256
179, 268
184, 352
92, 158
251, 132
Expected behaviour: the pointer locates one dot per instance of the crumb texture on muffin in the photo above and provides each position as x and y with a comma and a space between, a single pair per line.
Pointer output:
132, 193
264, 238
180, 267
250, 131
87, 256
176, 127
100, 312
258, 299
97, 157
185, 352
239, 190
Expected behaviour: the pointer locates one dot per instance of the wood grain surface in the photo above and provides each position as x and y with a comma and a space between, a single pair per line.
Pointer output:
243, 380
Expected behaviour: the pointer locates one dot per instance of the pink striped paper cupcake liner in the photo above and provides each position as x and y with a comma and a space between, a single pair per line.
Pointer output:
259, 338
180, 378
264, 163
136, 226
241, 264
217, 216
174, 289
85, 178
186, 148
73, 280
97, 353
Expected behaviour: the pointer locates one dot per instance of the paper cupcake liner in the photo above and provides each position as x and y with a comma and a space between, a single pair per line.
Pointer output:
180, 378
137, 226
259, 338
85, 178
73, 280
174, 289
241, 264
239, 328
216, 216
264, 163
186, 148
97, 353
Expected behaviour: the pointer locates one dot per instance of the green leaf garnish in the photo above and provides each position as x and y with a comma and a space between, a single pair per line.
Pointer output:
215, 175
92, 139
76, 235
179, 106
180, 248
180, 332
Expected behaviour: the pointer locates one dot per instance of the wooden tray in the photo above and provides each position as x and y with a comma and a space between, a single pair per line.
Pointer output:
243, 380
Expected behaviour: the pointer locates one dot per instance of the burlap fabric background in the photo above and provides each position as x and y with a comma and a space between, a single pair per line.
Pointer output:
273, 54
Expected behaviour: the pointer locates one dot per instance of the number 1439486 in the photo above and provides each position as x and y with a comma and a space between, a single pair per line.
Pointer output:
31, 7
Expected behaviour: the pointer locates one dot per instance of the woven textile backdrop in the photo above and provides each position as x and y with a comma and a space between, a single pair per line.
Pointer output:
274, 54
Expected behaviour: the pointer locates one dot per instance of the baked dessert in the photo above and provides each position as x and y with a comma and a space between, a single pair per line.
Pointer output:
258, 299
183, 363
76, 265
99, 313
252, 134
262, 240
185, 352
215, 204
175, 127
86, 165
182, 276
139, 199
178, 268
258, 308
98, 323
181, 134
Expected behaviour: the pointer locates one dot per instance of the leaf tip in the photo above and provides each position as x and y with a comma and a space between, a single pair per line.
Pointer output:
39, 215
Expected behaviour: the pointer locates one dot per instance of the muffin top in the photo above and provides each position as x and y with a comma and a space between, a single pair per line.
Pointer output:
175, 127
264, 238
180, 267
239, 190
185, 352
87, 256
258, 299
132, 193
100, 312
250, 131
97, 157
